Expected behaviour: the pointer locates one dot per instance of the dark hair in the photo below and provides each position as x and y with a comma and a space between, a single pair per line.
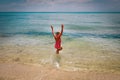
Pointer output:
57, 33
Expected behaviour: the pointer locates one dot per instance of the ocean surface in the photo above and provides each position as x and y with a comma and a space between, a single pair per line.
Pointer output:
99, 25
84, 32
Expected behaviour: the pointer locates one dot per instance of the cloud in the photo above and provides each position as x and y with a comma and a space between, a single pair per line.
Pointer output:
106, 5
4, 2
59, 5
56, 1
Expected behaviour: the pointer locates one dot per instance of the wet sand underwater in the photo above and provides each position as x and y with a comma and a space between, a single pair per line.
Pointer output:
80, 59
15, 71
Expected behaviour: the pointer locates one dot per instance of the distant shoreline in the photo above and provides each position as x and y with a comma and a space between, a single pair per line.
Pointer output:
66, 12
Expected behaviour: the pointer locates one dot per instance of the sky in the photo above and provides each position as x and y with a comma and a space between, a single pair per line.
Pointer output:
59, 5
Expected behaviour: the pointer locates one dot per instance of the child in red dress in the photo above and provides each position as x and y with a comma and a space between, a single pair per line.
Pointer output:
57, 37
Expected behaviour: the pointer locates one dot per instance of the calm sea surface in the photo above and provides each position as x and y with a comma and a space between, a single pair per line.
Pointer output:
103, 25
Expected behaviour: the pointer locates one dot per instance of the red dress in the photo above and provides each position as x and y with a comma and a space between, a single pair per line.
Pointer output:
58, 43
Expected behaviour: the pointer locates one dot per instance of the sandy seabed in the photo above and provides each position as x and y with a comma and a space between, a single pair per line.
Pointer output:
18, 62
15, 71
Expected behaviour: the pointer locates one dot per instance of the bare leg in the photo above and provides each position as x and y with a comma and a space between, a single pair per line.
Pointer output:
60, 48
57, 51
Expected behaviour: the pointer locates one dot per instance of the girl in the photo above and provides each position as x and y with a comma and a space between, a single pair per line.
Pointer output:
57, 37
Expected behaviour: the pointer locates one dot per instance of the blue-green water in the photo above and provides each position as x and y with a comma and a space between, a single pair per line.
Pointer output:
104, 25
90, 40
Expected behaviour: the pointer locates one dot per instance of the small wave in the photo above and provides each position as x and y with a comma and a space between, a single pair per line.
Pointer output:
113, 36
24, 33
75, 35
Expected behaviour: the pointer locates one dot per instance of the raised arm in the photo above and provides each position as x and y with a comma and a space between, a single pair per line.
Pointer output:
52, 31
62, 27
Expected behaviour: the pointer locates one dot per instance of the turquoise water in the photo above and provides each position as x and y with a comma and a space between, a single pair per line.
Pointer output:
104, 25
89, 39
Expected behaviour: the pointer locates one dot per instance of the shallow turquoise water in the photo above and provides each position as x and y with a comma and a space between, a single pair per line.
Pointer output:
85, 24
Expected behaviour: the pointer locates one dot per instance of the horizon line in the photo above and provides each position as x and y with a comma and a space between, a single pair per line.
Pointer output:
65, 12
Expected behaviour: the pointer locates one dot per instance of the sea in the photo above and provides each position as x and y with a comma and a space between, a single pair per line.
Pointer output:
87, 36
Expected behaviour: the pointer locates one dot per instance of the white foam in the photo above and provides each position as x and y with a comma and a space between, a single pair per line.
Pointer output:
57, 65
22, 40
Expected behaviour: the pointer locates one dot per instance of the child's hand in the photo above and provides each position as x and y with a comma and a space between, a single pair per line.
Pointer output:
62, 25
51, 27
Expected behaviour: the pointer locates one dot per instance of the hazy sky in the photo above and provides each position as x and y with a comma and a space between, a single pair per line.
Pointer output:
60, 5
